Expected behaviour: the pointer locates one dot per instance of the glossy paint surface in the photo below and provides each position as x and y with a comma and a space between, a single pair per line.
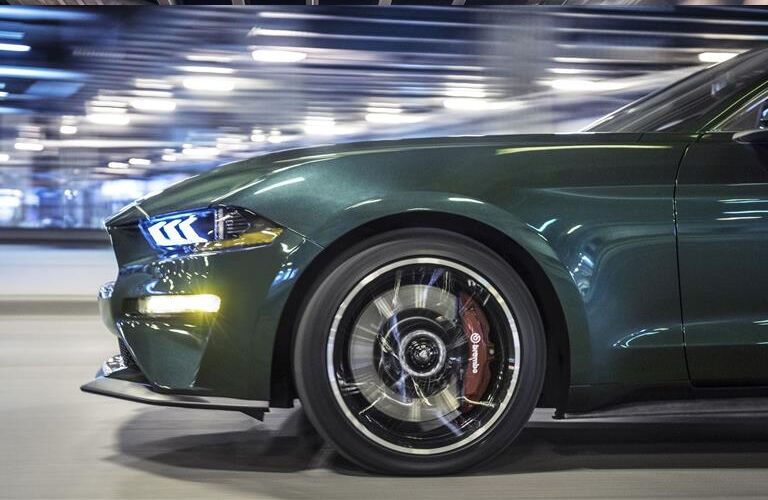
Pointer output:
594, 210
223, 353
722, 201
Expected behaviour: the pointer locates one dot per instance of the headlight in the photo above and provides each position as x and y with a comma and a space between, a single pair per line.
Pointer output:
209, 229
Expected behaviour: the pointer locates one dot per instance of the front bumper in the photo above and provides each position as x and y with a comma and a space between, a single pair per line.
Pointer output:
116, 379
227, 353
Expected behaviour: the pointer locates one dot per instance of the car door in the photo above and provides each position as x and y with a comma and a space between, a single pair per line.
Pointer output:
722, 222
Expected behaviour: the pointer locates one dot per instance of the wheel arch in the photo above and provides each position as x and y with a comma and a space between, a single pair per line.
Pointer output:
557, 378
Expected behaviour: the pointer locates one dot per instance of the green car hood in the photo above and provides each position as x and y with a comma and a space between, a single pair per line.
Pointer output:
232, 181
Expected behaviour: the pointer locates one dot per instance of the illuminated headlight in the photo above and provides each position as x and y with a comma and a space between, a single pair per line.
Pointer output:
178, 304
209, 229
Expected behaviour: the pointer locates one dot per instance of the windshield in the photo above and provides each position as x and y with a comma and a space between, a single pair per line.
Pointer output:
683, 106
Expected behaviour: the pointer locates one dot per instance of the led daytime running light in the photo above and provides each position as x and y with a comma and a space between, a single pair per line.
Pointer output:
178, 304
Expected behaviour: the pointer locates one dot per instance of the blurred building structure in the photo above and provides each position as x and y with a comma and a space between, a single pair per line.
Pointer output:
100, 106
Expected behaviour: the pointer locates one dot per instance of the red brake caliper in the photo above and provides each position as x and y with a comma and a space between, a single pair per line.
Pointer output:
475, 325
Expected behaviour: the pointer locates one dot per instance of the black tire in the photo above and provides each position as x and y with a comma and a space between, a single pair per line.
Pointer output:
360, 440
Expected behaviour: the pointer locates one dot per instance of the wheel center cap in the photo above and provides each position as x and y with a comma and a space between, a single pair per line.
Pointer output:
422, 353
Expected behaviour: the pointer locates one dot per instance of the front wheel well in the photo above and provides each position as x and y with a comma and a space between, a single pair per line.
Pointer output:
557, 378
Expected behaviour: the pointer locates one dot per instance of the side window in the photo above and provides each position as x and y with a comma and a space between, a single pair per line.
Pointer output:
753, 115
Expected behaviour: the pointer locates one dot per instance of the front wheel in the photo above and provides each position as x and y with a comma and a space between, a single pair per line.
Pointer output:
419, 352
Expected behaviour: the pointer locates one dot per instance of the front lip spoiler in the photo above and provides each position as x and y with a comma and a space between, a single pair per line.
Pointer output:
115, 385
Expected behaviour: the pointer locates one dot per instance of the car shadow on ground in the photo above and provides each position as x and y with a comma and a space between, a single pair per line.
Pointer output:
161, 442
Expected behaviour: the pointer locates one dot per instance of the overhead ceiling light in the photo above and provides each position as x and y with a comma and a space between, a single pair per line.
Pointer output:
13, 35
216, 58
117, 165
152, 83
716, 57
140, 161
471, 104
392, 118
14, 47
229, 139
584, 85
209, 83
320, 125
5, 157
100, 101
568, 71
219, 70
152, 93
383, 109
200, 153
28, 146
465, 91
68, 129
107, 110
258, 137
9, 200
108, 118
3, 94
278, 56
276, 137
277, 32
231, 143
169, 157
153, 104
573, 60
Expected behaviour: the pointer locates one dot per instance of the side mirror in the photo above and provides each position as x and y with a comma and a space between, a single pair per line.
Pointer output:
757, 136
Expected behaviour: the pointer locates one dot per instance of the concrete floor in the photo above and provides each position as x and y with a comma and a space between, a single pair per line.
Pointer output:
56, 442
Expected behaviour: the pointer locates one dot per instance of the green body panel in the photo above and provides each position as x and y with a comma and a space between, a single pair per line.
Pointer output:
229, 354
722, 212
594, 210
653, 242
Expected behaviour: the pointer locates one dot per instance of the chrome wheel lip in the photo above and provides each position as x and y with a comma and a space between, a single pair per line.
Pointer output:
476, 434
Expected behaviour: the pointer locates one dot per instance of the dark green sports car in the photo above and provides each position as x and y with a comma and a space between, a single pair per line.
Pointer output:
421, 297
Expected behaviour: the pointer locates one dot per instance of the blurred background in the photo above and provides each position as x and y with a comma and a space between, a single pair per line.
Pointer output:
99, 106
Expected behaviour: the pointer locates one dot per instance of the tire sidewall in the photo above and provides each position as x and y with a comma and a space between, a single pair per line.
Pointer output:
323, 300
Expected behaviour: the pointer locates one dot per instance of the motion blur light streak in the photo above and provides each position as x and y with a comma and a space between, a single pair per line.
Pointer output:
99, 86
13, 47
320, 126
389, 118
471, 104
716, 57
207, 69
209, 83
202, 153
153, 104
29, 146
278, 56
584, 85
109, 119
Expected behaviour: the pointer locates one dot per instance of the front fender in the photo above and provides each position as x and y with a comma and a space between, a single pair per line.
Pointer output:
596, 217
360, 212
